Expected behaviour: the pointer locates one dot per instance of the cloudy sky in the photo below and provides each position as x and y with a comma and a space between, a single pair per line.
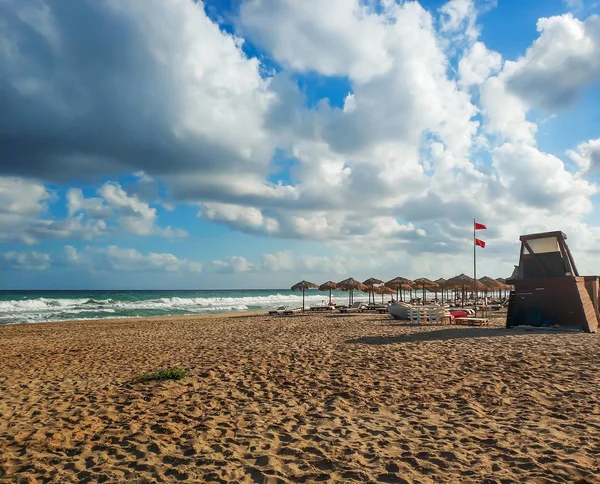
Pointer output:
251, 144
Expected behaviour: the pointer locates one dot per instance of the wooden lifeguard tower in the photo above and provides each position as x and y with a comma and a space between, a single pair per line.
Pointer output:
548, 288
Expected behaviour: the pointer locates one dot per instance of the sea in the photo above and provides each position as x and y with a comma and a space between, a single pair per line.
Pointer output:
44, 306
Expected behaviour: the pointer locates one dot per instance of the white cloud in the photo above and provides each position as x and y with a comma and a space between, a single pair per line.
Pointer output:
113, 258
25, 214
542, 181
31, 260
233, 264
239, 216
183, 101
561, 62
135, 216
336, 37
477, 64
278, 261
459, 16
115, 204
573, 4
587, 156
22, 202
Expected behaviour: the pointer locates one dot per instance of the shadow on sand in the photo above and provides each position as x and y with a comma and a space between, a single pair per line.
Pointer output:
453, 333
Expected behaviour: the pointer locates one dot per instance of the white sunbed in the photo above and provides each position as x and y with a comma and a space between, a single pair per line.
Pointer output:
289, 312
355, 308
278, 311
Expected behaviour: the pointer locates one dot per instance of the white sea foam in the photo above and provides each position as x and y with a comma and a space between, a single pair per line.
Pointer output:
52, 309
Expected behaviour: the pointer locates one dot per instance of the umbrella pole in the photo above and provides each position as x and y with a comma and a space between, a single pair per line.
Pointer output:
303, 299
329, 295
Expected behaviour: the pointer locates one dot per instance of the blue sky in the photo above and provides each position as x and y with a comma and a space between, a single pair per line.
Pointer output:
251, 144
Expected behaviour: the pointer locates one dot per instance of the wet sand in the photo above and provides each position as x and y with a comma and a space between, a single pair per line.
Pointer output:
309, 398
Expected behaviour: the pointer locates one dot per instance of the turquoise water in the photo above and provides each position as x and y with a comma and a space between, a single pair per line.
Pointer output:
39, 306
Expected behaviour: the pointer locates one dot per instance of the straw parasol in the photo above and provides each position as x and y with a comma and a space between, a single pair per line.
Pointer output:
505, 285
441, 282
461, 281
425, 283
383, 290
400, 284
490, 283
304, 286
351, 285
328, 286
371, 282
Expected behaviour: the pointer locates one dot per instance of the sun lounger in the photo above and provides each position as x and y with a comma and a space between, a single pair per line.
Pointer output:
417, 314
380, 308
355, 308
279, 310
322, 308
289, 312
434, 314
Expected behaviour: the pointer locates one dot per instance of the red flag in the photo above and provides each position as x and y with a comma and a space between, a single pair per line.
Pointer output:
480, 243
479, 226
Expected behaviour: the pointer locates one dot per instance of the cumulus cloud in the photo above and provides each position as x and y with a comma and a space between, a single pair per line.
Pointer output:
355, 40
587, 156
181, 96
117, 259
459, 17
22, 202
232, 264
561, 62
25, 215
239, 216
477, 64
29, 261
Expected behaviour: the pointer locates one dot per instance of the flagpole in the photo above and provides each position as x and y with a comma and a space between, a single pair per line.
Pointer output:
474, 269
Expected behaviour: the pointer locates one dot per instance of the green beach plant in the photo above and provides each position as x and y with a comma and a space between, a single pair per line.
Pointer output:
165, 374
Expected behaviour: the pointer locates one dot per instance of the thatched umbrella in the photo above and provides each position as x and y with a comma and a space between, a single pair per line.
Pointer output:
371, 282
400, 284
461, 281
383, 290
328, 286
304, 286
505, 286
425, 283
351, 285
441, 282
490, 284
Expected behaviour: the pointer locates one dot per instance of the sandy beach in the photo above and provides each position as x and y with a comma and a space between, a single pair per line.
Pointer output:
309, 398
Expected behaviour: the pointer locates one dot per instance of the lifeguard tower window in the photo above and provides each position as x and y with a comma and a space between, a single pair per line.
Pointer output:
545, 260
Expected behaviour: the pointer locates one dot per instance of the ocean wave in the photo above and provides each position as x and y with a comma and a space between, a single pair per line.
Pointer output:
54, 309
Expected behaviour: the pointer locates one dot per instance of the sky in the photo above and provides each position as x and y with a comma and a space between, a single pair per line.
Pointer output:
179, 144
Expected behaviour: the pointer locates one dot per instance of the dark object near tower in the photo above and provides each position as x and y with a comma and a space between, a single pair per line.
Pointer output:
548, 289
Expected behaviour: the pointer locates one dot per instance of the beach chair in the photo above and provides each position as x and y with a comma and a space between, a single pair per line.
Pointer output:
417, 314
322, 308
278, 311
289, 312
355, 308
434, 314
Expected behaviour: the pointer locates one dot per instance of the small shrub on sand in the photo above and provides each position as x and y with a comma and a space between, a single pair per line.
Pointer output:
166, 374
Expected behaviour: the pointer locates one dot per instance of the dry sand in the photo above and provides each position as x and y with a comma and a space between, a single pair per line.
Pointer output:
338, 398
